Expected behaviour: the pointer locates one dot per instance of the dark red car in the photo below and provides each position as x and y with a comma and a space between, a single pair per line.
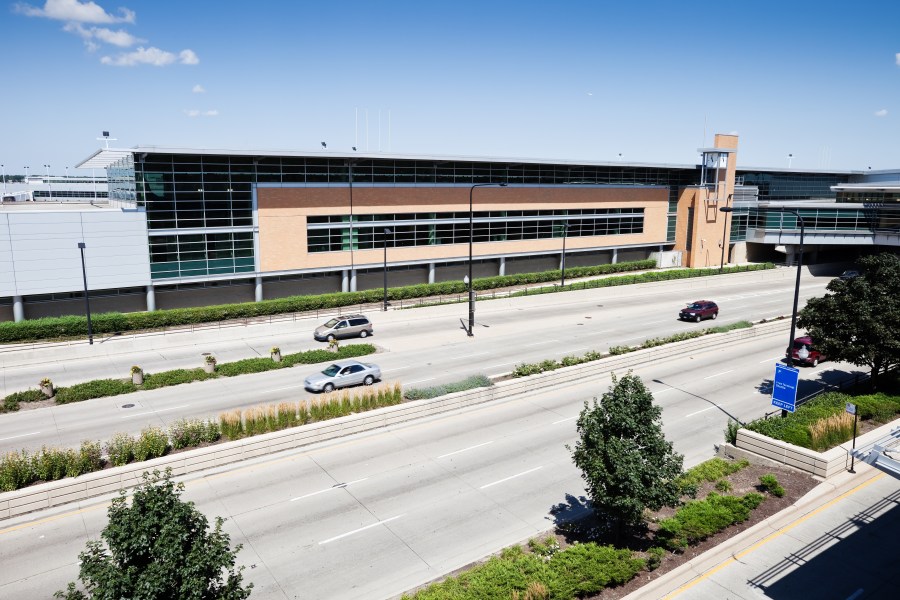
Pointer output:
805, 353
699, 310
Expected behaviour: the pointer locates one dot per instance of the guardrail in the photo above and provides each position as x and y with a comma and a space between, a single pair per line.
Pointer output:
110, 480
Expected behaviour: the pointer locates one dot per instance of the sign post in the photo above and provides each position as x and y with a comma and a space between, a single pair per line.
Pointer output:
784, 390
851, 408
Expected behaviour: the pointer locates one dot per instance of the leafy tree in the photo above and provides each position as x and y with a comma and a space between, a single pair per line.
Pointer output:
858, 321
623, 455
158, 549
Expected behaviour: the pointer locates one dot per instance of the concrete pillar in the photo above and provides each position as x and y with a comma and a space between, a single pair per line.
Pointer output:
431, 271
345, 280
352, 280
18, 309
790, 252
615, 257
258, 290
562, 261
151, 298
502, 266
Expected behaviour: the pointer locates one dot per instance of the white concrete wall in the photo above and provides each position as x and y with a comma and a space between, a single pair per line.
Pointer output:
39, 250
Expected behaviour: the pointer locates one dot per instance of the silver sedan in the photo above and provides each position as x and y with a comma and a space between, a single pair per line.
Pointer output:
342, 374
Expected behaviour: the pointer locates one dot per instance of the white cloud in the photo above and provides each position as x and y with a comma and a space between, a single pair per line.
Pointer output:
188, 57
198, 89
141, 56
881, 113
73, 10
201, 113
120, 38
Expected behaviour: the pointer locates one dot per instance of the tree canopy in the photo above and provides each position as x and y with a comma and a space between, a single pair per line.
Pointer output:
623, 455
159, 548
858, 320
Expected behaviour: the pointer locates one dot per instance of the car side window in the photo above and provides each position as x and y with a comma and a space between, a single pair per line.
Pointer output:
341, 325
357, 322
356, 368
345, 371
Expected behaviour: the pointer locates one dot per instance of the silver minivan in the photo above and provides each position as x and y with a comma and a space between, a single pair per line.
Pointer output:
344, 327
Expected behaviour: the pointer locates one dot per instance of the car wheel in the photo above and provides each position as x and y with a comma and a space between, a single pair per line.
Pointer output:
715, 315
369, 380
330, 337
363, 333
328, 387
815, 362
697, 318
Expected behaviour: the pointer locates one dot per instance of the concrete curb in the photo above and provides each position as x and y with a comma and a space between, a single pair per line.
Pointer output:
680, 579
63, 491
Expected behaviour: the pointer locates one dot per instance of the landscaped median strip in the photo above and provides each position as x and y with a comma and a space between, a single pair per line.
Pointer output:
92, 484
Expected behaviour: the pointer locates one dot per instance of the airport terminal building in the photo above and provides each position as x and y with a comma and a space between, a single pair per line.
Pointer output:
186, 227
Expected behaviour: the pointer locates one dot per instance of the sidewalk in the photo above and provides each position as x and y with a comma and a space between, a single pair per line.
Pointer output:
838, 541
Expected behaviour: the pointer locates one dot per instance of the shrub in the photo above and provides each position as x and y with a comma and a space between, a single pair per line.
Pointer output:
12, 401
247, 365
469, 383
231, 425
723, 485
546, 547
89, 459
15, 471
699, 519
152, 443
120, 449
49, 464
174, 377
731, 430
98, 388
617, 350
187, 433
770, 483
710, 470
655, 557
831, 431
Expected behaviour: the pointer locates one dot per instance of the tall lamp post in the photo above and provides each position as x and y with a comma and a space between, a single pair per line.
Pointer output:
49, 185
790, 347
566, 227
387, 232
724, 231
471, 283
3, 170
87, 299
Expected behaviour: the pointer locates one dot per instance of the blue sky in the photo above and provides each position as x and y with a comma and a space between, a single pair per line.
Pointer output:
565, 80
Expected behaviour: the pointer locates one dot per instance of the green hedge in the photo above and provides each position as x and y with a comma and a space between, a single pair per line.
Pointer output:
699, 519
101, 388
576, 572
50, 328
469, 383
795, 428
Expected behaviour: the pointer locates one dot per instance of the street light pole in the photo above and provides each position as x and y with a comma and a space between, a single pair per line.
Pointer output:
724, 231
49, 185
3, 169
471, 331
565, 235
387, 232
790, 347
87, 299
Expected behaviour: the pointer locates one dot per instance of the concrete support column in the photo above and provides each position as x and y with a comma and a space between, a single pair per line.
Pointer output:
258, 290
790, 255
18, 309
352, 280
345, 280
502, 271
151, 298
431, 270
615, 257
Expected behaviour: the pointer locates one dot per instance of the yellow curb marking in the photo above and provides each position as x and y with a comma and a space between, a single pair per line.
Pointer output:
768, 538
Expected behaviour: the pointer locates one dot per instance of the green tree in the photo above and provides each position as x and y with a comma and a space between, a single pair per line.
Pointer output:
858, 321
623, 455
159, 548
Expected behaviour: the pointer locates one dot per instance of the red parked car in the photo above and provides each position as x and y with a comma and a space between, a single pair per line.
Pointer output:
804, 352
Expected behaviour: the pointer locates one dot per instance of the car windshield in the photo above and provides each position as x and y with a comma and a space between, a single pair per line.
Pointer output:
798, 345
695, 306
332, 323
331, 371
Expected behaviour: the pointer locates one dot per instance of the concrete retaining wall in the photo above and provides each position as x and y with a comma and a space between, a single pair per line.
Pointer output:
819, 464
45, 495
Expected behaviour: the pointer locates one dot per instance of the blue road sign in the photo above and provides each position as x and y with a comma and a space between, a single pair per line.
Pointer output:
784, 392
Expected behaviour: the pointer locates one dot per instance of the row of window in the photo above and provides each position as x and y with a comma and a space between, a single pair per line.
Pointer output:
208, 246
824, 219
493, 214
334, 239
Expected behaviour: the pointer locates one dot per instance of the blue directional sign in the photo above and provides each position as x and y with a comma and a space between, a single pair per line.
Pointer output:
784, 392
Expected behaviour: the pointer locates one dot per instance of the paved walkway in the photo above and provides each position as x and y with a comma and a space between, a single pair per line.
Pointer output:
839, 541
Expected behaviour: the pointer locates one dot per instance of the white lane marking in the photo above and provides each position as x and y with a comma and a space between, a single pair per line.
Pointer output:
770, 359
281, 389
419, 380
389, 370
499, 365
476, 354
343, 535
465, 449
150, 412
564, 420
18, 436
336, 487
487, 485
543, 343
655, 322
722, 373
700, 411
660, 391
